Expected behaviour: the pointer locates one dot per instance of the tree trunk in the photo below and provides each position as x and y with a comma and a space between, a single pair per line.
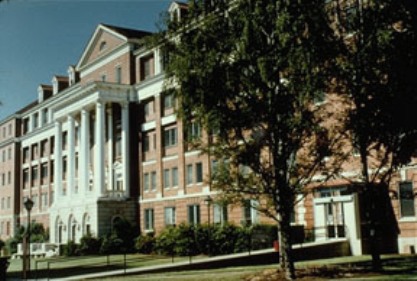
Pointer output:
286, 257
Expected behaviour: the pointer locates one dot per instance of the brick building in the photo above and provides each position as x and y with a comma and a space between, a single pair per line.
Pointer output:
104, 143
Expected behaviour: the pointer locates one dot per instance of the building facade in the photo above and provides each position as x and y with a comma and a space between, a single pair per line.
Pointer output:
104, 143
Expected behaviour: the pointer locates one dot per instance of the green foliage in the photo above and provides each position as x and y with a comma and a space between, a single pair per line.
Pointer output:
166, 241
124, 233
145, 244
111, 245
89, 245
70, 249
2, 244
185, 239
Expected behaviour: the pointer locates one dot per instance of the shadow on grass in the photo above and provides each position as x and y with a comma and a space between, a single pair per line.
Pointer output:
400, 265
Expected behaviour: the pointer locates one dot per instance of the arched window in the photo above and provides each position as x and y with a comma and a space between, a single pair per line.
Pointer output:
103, 45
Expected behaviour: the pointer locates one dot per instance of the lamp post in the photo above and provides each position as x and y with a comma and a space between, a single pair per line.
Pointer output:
208, 200
28, 206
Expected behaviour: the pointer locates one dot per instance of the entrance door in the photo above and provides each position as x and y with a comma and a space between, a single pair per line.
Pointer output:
335, 224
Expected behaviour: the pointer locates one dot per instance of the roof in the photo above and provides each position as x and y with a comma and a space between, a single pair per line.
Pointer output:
128, 32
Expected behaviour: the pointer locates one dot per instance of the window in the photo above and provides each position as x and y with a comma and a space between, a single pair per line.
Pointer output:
194, 214
44, 147
9, 200
199, 172
25, 178
194, 131
407, 199
168, 101
35, 152
34, 174
146, 182
35, 120
103, 78
250, 215
146, 67
189, 174
25, 154
64, 140
25, 125
149, 219
103, 45
44, 173
166, 178
146, 143
174, 176
169, 213
45, 116
119, 75
9, 154
9, 177
170, 137
153, 180
220, 214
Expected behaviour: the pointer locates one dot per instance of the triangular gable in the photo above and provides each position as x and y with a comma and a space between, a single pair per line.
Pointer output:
102, 42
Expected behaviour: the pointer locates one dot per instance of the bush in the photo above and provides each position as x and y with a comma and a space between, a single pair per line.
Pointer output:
89, 245
145, 244
112, 245
123, 231
71, 249
2, 244
166, 241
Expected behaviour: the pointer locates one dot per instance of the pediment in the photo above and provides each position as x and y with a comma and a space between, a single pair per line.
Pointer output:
103, 41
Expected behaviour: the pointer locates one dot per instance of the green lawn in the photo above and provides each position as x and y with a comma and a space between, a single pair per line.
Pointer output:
65, 266
396, 267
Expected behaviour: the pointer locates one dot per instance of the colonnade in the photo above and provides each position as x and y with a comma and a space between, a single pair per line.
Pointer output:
102, 183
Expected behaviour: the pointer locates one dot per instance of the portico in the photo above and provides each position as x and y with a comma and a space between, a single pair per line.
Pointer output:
91, 159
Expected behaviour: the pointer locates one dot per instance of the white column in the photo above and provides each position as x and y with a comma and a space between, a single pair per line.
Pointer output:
99, 149
125, 149
84, 152
58, 162
157, 61
110, 184
71, 156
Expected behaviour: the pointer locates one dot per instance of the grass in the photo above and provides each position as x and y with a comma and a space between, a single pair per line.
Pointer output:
66, 266
396, 267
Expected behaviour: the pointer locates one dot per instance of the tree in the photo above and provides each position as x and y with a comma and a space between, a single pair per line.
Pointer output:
251, 72
380, 86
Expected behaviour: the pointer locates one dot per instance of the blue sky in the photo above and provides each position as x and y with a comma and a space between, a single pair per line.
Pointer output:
41, 38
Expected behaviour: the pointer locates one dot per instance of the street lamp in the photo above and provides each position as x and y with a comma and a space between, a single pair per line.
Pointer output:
208, 200
28, 206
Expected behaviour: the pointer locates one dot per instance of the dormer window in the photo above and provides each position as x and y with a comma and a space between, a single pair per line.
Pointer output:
103, 45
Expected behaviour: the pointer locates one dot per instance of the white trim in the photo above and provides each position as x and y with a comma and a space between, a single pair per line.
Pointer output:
178, 197
192, 153
169, 158
148, 126
168, 119
104, 61
147, 163
93, 40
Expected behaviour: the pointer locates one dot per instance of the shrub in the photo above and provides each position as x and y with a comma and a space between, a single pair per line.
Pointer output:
166, 241
112, 245
145, 244
89, 245
71, 249
2, 244
124, 232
